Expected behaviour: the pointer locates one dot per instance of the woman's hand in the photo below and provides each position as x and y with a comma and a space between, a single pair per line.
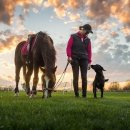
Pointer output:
69, 59
89, 66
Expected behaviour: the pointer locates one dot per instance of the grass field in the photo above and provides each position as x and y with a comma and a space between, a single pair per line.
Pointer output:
65, 112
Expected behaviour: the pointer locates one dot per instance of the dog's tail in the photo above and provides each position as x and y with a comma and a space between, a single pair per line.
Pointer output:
106, 80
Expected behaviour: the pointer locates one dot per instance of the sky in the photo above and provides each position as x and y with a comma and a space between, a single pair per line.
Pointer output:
110, 21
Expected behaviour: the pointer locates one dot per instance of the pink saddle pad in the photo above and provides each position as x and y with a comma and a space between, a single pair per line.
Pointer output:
24, 50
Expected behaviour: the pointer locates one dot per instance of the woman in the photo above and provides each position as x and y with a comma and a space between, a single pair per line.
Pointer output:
79, 55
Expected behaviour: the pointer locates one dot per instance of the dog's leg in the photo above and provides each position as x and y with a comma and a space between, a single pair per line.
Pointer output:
102, 93
94, 91
95, 95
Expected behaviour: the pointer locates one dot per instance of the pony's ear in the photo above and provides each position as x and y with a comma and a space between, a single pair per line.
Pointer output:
55, 69
43, 69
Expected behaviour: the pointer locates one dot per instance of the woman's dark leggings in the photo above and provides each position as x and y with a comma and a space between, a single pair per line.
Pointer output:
83, 65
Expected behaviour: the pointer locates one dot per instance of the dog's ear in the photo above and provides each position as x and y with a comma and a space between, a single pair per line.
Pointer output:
104, 70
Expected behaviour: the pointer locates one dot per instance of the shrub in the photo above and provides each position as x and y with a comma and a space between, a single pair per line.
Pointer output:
127, 86
114, 86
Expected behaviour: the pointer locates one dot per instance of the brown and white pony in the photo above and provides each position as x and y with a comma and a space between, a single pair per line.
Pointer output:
43, 54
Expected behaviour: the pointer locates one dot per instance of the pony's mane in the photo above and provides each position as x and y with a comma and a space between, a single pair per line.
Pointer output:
49, 55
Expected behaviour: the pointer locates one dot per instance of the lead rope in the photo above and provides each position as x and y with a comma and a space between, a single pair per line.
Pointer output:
62, 77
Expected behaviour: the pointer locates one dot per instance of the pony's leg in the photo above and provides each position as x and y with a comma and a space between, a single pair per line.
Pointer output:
46, 92
28, 76
17, 77
47, 83
49, 93
24, 75
43, 85
35, 80
24, 72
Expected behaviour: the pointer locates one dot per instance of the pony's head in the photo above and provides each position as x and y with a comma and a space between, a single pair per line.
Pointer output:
48, 80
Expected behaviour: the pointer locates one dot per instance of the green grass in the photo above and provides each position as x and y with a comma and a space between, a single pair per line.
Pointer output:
65, 112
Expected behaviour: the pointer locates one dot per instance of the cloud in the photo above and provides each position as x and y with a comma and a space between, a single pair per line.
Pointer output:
6, 81
121, 54
10, 42
35, 10
7, 65
21, 17
128, 38
6, 32
126, 31
102, 10
116, 52
105, 26
7, 8
122, 11
58, 5
74, 3
104, 47
60, 11
96, 10
114, 34
18, 27
74, 17
11, 37
63, 9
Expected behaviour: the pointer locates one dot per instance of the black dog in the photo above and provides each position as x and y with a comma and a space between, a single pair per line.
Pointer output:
99, 80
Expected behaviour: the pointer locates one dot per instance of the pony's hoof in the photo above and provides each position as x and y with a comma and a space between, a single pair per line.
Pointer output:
31, 96
16, 90
16, 94
46, 96
28, 90
34, 92
28, 94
